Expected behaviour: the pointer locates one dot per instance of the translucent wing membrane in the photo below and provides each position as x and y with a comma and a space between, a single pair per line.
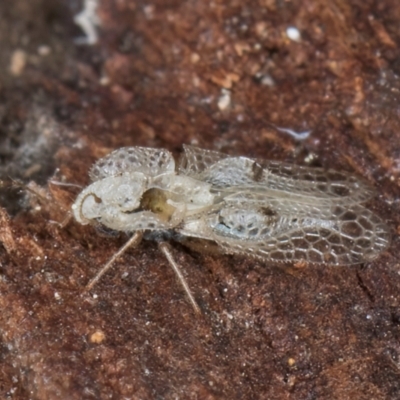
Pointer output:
316, 245
273, 178
193, 161
316, 182
338, 235
151, 162
284, 212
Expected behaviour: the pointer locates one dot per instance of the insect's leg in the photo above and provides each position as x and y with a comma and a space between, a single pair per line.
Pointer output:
167, 252
134, 240
65, 184
65, 221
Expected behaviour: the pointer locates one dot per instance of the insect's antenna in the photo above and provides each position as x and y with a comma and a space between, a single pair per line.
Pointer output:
65, 184
133, 241
163, 246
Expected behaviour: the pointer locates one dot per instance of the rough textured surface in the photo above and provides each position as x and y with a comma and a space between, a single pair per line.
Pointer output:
224, 76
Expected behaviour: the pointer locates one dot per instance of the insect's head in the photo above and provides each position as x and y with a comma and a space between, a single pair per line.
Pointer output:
106, 200
126, 203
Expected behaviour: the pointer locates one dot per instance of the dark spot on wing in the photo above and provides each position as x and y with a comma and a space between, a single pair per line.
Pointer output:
268, 212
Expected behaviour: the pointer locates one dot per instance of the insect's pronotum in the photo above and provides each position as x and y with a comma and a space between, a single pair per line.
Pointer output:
267, 209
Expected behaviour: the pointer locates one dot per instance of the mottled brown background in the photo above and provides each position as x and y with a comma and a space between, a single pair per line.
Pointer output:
155, 79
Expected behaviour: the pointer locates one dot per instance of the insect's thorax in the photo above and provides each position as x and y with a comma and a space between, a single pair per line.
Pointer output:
171, 195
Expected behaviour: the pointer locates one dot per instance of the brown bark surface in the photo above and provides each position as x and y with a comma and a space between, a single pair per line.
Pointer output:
157, 77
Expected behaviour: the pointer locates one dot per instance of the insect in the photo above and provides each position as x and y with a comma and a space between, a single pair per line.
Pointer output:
266, 209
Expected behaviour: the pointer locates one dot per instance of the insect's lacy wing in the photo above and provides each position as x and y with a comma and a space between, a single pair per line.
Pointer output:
317, 181
236, 174
352, 235
194, 160
149, 161
287, 206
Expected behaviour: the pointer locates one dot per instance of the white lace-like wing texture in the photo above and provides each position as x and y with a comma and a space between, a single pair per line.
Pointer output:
267, 209
283, 212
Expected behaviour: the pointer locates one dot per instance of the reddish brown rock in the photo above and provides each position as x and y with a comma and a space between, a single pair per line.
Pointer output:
155, 78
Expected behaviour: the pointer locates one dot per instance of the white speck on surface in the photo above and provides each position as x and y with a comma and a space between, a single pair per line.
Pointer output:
194, 58
265, 79
104, 80
224, 100
87, 20
293, 34
18, 62
149, 11
44, 50
295, 135
57, 296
